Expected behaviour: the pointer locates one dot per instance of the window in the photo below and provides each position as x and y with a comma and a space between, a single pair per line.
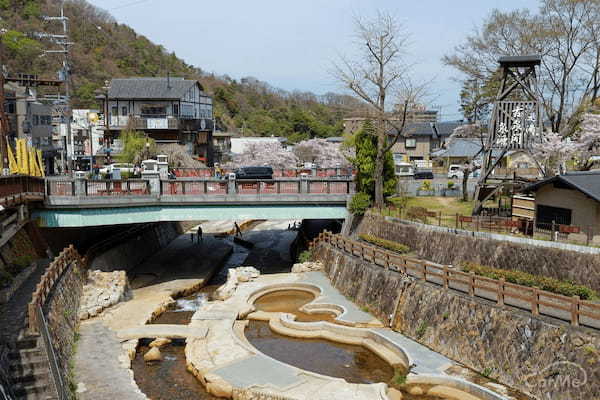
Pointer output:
546, 215
154, 111
36, 120
175, 109
114, 111
410, 143
124, 111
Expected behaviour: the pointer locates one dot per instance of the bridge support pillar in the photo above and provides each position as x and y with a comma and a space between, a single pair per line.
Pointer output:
303, 183
80, 187
153, 178
231, 188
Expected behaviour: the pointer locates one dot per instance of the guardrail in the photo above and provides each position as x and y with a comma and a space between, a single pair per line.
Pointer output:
538, 302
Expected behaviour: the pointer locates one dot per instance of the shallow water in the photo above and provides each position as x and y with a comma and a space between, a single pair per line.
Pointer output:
169, 378
289, 301
355, 364
184, 308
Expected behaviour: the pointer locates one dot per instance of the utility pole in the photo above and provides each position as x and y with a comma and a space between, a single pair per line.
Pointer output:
3, 123
62, 40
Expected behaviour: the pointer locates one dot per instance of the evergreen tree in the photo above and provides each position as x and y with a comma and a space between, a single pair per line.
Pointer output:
365, 144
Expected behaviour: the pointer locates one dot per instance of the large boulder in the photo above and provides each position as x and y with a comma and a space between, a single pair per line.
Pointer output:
153, 355
307, 267
159, 342
102, 290
246, 274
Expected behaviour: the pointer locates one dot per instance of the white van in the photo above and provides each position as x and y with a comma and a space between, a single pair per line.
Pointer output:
404, 169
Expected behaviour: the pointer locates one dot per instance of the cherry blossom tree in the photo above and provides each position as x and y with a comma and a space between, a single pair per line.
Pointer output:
272, 154
588, 141
321, 152
553, 153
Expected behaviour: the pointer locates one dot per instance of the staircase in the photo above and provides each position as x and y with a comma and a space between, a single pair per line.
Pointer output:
30, 370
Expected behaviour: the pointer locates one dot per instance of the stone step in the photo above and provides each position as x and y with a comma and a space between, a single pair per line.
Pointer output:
25, 354
27, 343
32, 363
33, 391
27, 376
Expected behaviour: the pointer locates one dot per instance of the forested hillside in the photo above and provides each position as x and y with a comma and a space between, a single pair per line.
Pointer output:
104, 49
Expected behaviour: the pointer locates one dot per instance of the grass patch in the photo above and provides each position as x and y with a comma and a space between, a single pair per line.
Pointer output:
421, 330
552, 285
386, 244
447, 205
399, 378
487, 372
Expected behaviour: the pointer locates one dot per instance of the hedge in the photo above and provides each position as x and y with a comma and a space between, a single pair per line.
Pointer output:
542, 282
386, 244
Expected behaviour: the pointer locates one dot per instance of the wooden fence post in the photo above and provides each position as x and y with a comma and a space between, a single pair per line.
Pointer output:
535, 301
456, 220
446, 277
575, 304
472, 284
387, 260
440, 219
500, 293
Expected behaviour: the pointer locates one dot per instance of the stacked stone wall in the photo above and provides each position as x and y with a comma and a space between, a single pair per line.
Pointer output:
544, 358
452, 249
61, 312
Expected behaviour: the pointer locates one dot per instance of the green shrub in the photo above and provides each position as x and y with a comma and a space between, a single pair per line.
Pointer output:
542, 282
305, 256
426, 186
360, 203
386, 244
450, 185
421, 330
399, 378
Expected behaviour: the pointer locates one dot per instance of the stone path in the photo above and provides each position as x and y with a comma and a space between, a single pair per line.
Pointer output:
100, 375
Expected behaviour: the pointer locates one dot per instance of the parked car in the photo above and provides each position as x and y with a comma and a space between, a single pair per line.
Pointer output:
404, 170
254, 173
124, 167
456, 172
423, 174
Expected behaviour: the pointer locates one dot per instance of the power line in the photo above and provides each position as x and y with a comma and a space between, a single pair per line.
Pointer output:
129, 4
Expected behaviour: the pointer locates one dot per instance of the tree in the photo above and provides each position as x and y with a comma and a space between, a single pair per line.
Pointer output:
564, 32
364, 143
475, 133
266, 153
588, 141
379, 72
136, 147
553, 152
320, 152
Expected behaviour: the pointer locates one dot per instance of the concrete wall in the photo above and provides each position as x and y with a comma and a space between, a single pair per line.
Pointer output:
62, 316
585, 211
449, 248
130, 253
513, 347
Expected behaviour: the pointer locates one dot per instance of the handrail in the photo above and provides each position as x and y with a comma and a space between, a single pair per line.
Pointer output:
534, 297
59, 384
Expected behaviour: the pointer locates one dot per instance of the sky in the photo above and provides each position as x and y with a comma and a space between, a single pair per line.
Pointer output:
292, 44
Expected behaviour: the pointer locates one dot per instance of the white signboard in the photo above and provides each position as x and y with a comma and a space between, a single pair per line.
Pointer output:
158, 123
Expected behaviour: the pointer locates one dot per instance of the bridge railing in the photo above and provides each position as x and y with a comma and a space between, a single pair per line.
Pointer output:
193, 187
117, 188
18, 184
277, 172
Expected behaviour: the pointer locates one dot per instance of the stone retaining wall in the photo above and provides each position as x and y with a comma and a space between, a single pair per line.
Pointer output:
5, 383
513, 347
448, 248
61, 313
132, 252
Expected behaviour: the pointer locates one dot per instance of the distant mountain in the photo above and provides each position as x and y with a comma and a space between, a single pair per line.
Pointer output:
104, 49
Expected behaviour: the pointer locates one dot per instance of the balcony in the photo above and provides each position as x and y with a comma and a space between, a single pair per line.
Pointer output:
161, 122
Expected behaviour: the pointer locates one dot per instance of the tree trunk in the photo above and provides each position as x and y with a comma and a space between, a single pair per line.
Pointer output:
465, 181
379, 163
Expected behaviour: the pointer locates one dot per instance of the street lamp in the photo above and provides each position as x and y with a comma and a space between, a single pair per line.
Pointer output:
147, 148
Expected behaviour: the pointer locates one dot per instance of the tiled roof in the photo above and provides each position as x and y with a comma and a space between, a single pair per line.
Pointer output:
149, 88
586, 182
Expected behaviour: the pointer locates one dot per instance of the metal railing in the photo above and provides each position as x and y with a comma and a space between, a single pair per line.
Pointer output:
536, 301
193, 187
57, 378
60, 187
268, 187
277, 172
129, 187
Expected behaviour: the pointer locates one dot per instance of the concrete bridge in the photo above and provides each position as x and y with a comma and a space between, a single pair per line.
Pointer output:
83, 202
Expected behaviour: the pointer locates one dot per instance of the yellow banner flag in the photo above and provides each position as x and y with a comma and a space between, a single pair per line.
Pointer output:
12, 162
41, 163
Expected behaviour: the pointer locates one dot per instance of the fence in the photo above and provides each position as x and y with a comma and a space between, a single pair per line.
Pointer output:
494, 220
68, 187
19, 186
538, 302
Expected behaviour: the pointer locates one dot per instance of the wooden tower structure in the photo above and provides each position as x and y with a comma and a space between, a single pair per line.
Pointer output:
516, 123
